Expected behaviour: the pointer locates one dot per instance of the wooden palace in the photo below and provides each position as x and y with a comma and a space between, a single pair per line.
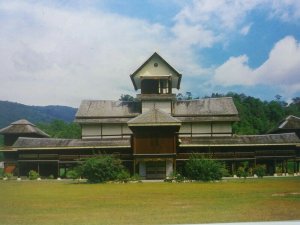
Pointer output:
153, 135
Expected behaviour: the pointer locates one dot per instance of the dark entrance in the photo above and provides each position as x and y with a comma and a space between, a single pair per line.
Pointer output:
155, 170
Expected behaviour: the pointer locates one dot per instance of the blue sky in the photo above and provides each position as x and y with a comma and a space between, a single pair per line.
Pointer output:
61, 52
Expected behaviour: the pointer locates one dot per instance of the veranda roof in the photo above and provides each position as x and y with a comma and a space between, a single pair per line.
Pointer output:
241, 140
58, 143
23, 127
154, 117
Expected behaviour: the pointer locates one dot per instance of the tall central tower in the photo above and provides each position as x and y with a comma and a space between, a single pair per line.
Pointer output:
156, 79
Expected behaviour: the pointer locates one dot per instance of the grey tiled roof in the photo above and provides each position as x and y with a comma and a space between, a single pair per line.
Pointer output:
70, 143
23, 127
107, 108
209, 109
205, 107
269, 139
154, 117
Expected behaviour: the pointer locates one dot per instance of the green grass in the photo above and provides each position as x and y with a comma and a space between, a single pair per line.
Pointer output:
57, 202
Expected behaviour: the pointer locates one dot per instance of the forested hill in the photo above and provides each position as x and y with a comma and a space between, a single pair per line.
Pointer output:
260, 117
10, 112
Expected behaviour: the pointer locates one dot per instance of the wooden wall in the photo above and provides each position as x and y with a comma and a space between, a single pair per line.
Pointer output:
154, 141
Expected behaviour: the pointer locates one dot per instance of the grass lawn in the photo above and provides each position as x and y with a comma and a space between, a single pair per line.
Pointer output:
59, 202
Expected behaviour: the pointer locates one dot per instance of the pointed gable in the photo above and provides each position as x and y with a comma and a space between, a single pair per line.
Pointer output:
155, 67
290, 122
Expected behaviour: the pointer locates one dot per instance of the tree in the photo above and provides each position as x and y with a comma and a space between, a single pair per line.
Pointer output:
61, 129
126, 98
187, 96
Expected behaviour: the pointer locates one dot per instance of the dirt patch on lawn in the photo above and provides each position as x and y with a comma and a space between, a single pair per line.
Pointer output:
286, 194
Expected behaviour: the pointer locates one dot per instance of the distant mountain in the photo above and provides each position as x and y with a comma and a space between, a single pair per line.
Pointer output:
11, 111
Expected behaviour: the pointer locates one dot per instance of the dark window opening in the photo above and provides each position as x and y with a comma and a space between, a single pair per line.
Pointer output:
151, 86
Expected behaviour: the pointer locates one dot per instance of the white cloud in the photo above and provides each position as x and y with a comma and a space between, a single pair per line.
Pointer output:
281, 69
286, 10
234, 71
53, 55
245, 30
222, 18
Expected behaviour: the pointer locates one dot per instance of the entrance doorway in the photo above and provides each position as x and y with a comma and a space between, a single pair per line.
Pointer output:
156, 170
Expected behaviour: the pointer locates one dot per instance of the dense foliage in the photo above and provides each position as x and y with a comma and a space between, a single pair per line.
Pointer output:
103, 168
61, 129
201, 169
259, 117
127, 98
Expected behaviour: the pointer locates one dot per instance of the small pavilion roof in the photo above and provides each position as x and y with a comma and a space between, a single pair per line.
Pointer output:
23, 127
154, 117
290, 122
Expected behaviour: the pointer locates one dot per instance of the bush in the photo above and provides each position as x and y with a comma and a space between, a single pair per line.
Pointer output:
73, 174
8, 176
123, 176
242, 172
177, 177
260, 170
136, 177
199, 168
33, 175
102, 168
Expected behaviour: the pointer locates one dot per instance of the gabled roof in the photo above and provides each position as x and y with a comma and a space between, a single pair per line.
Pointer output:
155, 54
205, 107
97, 109
154, 117
23, 127
290, 122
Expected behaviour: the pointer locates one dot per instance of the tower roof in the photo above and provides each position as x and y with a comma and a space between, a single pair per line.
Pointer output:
155, 67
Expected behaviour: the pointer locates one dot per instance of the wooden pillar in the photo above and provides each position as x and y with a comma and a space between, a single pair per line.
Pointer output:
18, 169
174, 165
233, 167
58, 173
38, 168
133, 166
286, 166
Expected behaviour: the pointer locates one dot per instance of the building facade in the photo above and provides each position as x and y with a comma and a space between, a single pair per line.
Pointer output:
156, 133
